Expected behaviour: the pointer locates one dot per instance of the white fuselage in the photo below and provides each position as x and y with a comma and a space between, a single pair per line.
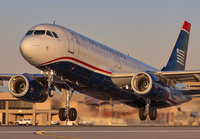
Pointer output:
40, 49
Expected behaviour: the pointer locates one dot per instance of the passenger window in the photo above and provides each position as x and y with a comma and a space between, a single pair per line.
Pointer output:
39, 32
29, 32
55, 35
49, 33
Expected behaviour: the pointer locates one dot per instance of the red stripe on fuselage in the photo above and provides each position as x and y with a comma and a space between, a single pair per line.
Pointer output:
174, 103
79, 61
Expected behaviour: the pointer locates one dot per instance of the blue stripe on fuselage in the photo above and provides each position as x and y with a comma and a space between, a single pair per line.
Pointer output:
98, 86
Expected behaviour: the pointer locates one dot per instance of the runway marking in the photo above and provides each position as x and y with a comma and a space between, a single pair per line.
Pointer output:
16, 132
63, 130
131, 131
42, 132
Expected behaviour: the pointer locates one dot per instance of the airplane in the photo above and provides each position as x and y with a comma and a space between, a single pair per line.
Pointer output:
73, 62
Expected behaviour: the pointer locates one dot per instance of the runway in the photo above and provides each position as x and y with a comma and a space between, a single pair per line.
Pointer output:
97, 132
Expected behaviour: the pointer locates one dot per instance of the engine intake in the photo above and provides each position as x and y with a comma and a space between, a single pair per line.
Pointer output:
141, 83
145, 85
27, 89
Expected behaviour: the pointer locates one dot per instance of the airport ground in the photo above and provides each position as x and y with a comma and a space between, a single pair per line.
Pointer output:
99, 132
94, 112
89, 114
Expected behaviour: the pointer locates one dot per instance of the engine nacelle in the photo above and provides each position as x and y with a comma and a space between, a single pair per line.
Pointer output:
144, 84
27, 89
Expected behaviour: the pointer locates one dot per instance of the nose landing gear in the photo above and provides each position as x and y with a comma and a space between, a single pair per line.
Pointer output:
49, 74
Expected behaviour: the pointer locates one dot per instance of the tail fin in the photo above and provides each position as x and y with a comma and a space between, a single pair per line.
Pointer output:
177, 59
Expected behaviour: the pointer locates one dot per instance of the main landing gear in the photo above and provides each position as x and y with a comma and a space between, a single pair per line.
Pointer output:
67, 112
147, 110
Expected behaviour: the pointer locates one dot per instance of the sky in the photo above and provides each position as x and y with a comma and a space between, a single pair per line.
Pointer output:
145, 29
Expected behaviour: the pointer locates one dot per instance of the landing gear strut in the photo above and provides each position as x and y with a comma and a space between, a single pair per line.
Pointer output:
147, 110
49, 74
67, 113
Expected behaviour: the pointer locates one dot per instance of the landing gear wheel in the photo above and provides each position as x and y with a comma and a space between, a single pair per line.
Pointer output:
142, 114
152, 113
62, 115
72, 114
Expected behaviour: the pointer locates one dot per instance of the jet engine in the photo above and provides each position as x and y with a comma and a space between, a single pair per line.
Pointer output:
149, 87
25, 88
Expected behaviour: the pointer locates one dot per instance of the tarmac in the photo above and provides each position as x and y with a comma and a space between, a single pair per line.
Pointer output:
99, 132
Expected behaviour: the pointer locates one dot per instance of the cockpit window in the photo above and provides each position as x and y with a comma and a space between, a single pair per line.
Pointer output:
29, 32
42, 32
39, 32
49, 33
55, 35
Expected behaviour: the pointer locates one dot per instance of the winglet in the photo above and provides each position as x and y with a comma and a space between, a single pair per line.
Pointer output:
177, 58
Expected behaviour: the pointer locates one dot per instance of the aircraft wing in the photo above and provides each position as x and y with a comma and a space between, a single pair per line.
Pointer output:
57, 81
38, 77
178, 76
5, 77
122, 79
191, 92
167, 77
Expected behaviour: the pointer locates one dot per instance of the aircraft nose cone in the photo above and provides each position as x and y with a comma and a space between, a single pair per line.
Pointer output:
25, 48
28, 49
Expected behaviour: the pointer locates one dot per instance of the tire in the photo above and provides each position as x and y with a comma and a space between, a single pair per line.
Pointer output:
72, 114
142, 114
62, 115
27, 124
152, 113
17, 123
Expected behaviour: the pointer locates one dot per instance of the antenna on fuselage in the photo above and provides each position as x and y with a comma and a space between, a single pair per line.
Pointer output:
54, 22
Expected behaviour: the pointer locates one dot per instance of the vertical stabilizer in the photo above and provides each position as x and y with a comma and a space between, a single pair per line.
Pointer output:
177, 59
